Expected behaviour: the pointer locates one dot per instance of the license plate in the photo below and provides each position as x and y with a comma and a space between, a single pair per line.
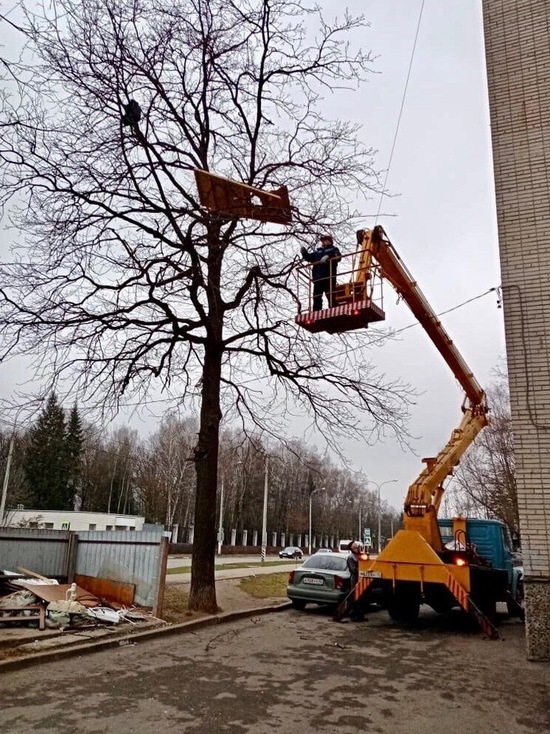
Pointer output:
371, 574
316, 582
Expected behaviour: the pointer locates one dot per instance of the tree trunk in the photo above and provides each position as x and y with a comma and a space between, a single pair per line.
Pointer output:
202, 595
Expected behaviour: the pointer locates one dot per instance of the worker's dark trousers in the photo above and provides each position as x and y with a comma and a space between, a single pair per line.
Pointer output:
320, 286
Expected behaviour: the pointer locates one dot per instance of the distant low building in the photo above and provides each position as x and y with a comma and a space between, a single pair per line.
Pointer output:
60, 520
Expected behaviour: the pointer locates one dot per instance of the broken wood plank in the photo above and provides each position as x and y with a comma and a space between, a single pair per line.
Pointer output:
35, 575
39, 617
48, 593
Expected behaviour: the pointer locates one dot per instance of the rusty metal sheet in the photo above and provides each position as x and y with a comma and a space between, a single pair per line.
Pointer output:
116, 592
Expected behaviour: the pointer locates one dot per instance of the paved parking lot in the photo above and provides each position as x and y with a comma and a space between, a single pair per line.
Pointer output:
290, 672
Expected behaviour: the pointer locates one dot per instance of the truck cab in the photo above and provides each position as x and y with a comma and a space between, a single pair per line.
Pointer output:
491, 542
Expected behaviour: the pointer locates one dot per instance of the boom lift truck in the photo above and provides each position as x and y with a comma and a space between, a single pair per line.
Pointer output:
473, 569
416, 565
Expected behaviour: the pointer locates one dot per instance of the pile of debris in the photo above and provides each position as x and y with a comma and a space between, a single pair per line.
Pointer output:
27, 598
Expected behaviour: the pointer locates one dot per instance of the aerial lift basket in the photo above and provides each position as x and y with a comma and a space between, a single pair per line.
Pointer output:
356, 300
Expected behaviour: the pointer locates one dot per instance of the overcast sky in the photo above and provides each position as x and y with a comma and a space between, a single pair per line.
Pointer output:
442, 218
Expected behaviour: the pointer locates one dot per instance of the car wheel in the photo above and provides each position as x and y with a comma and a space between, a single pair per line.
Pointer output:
298, 604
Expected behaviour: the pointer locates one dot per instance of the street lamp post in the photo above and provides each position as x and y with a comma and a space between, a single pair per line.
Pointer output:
220, 524
360, 526
264, 514
319, 489
5, 484
379, 486
6, 480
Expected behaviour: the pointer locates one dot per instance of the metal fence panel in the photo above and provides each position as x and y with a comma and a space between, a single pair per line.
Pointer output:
133, 558
130, 557
38, 550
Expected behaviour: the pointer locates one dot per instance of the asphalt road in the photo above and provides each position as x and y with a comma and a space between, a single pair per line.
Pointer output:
255, 568
291, 673
175, 561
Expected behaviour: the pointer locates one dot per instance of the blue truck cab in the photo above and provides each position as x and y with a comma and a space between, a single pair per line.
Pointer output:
489, 540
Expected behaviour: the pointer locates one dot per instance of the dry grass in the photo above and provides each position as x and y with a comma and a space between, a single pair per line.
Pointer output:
265, 587
175, 608
9, 653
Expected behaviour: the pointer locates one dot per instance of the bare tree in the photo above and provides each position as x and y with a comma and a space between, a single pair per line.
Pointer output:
119, 281
164, 469
295, 469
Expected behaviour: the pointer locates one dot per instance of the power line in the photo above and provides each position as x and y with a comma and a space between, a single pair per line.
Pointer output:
417, 323
382, 193
173, 398
347, 351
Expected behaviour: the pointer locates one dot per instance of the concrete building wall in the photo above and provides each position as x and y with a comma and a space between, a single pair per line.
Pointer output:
517, 41
77, 521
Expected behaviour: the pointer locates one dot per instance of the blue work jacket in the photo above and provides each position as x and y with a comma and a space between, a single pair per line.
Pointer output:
323, 270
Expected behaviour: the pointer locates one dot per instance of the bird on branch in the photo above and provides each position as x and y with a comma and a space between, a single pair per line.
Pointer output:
132, 113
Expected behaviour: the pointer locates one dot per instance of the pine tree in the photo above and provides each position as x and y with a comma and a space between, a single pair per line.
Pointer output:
73, 447
46, 465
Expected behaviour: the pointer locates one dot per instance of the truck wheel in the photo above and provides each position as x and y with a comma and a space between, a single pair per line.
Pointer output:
515, 606
515, 609
488, 606
404, 604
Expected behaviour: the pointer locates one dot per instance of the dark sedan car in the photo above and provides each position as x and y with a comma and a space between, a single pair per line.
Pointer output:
322, 579
291, 551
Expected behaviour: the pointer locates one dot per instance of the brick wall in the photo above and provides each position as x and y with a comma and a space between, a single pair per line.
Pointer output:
517, 41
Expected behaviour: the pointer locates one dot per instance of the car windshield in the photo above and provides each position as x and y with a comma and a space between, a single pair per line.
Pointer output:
290, 549
326, 562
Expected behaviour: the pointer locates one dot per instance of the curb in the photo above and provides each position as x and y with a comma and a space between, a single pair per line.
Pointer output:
133, 639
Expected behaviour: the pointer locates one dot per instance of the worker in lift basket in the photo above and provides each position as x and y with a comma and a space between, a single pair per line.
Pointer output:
323, 273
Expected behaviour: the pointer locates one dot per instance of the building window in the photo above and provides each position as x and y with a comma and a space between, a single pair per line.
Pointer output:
109, 527
92, 526
48, 525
